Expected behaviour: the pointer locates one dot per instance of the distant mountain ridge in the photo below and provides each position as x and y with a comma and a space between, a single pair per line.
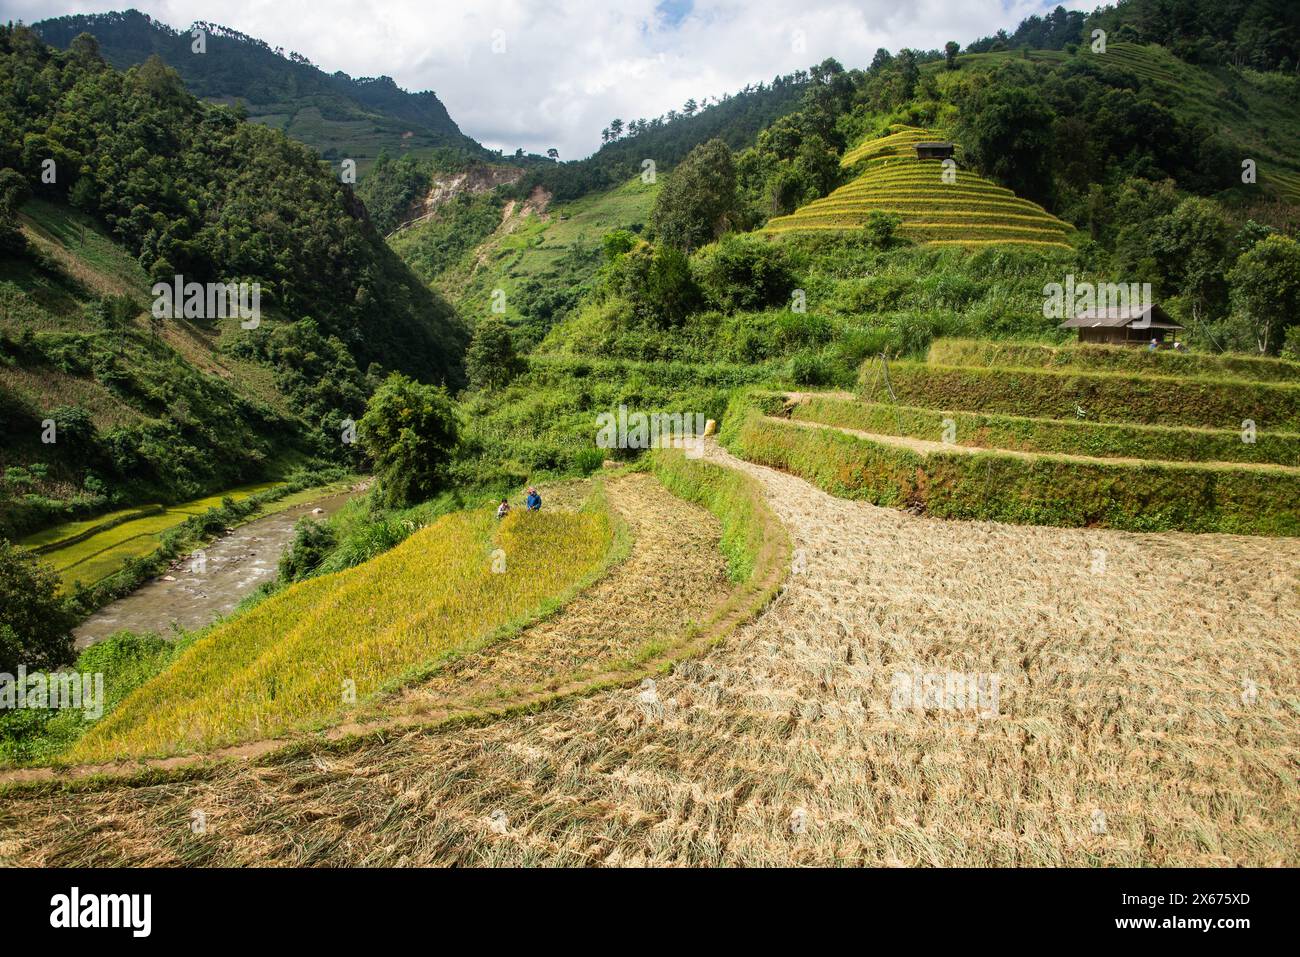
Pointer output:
340, 116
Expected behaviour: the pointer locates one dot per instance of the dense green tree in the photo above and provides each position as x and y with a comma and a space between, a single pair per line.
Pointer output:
616, 242
882, 228
13, 191
790, 164
492, 362
1190, 247
1006, 132
657, 282
75, 430
1057, 30
743, 273
317, 372
312, 542
909, 71
35, 628
1266, 291
410, 431
698, 202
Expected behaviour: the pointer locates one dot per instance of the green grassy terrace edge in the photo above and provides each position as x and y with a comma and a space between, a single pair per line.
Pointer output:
1000, 487
41, 544
1094, 358
1047, 436
1102, 396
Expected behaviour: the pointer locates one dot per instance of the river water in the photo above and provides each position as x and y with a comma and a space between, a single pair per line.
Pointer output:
201, 591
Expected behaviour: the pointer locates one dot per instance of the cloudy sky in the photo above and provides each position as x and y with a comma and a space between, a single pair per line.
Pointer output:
542, 73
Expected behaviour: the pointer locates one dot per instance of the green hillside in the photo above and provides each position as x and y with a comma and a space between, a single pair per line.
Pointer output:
540, 255
140, 413
1257, 112
148, 409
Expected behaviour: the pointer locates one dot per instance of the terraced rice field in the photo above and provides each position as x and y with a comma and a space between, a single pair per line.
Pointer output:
1095, 437
1249, 367
902, 142
67, 533
1142, 720
1287, 182
323, 645
1120, 441
961, 209
611, 626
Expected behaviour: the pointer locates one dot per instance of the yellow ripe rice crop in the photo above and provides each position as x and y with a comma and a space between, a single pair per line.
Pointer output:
904, 138
950, 205
306, 655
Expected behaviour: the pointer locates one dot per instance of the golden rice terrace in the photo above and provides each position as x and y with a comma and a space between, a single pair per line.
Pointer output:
959, 208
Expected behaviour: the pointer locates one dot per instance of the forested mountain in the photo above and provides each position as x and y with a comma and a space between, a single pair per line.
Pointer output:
188, 188
340, 116
1262, 34
132, 177
665, 140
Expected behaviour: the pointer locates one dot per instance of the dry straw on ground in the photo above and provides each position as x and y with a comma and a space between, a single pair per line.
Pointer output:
1147, 716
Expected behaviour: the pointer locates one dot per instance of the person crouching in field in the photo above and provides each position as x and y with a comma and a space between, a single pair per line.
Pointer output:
503, 509
534, 501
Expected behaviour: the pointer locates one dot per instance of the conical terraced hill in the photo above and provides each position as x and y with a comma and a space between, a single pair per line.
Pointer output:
969, 211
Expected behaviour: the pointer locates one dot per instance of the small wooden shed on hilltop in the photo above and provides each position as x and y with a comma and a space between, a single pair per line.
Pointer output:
1122, 325
934, 150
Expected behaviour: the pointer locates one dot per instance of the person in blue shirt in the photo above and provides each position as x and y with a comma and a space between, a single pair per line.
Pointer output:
534, 501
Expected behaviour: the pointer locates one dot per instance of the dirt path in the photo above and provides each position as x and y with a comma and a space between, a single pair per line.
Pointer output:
1143, 716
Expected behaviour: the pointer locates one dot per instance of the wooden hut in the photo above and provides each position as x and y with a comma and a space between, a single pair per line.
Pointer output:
1122, 325
934, 150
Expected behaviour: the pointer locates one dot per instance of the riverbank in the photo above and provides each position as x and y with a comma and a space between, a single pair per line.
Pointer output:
91, 550
200, 587
136, 554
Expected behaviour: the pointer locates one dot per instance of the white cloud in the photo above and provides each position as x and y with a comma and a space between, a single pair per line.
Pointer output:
569, 66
